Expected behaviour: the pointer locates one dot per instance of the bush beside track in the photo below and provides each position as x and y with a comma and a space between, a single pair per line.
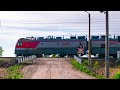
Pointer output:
83, 67
9, 69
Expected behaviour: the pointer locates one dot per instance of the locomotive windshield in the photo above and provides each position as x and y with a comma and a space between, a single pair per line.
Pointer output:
19, 44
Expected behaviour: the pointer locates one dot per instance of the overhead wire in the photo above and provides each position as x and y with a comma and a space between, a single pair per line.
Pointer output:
94, 23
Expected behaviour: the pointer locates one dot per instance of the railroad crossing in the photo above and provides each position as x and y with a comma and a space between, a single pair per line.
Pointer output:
53, 68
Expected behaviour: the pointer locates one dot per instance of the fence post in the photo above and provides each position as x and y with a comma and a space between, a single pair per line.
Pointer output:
18, 60
23, 59
27, 58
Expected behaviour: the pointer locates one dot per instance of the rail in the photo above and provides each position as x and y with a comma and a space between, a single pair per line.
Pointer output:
97, 59
8, 57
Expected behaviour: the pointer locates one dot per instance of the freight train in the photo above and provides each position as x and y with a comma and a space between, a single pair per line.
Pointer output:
65, 46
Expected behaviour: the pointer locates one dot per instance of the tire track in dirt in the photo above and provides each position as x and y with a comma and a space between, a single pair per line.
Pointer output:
53, 68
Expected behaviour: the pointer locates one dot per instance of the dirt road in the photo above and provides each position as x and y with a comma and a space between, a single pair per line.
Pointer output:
53, 68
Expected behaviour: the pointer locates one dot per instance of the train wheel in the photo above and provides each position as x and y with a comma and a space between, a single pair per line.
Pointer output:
70, 55
101, 56
40, 55
114, 55
61, 55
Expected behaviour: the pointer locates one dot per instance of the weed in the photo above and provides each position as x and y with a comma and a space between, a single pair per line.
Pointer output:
83, 67
85, 62
14, 72
96, 65
117, 75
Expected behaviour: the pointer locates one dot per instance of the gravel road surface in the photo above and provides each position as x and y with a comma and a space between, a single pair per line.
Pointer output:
53, 68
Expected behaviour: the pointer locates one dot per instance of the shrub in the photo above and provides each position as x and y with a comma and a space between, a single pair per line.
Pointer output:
117, 75
96, 65
80, 66
1, 51
85, 63
83, 67
14, 72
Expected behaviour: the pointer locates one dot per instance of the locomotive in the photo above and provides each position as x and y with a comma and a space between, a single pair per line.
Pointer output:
98, 45
50, 45
65, 46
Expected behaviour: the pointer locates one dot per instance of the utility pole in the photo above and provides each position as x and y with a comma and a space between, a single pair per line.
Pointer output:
89, 43
107, 47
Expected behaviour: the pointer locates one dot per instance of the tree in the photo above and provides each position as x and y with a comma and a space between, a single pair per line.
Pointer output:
1, 51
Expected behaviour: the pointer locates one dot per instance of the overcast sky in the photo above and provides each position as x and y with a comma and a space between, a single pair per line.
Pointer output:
20, 24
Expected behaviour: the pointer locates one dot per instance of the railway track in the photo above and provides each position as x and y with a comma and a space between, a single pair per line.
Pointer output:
7, 57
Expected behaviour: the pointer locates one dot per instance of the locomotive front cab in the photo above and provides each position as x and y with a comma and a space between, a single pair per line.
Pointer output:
19, 43
26, 46
18, 48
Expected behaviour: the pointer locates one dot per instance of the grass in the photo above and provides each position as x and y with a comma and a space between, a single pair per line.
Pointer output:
14, 72
117, 76
5, 59
83, 67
